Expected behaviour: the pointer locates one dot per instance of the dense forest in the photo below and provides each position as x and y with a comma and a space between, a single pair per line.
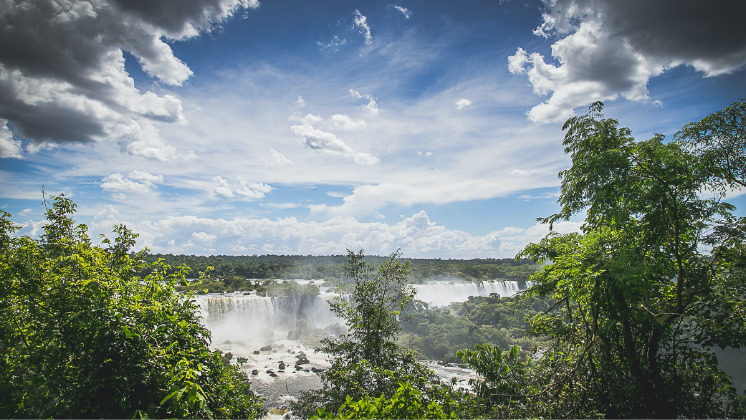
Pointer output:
260, 267
626, 318
440, 333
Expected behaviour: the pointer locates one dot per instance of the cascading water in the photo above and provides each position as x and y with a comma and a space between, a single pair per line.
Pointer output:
238, 315
440, 293
281, 312
256, 329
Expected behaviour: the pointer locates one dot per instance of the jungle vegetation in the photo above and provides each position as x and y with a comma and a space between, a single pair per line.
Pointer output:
83, 336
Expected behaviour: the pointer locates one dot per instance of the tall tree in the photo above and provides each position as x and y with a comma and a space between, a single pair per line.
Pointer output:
640, 304
367, 362
83, 336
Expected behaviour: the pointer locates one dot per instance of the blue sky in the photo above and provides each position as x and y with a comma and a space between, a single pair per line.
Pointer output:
310, 127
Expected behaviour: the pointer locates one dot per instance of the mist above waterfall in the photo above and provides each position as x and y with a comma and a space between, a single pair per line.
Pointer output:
443, 293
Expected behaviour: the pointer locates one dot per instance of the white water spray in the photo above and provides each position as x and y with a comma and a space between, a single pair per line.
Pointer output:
441, 293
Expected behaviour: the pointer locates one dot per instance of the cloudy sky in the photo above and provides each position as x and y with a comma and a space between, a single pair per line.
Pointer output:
309, 127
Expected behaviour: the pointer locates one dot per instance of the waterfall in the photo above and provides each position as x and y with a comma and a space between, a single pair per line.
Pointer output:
236, 316
441, 293
283, 312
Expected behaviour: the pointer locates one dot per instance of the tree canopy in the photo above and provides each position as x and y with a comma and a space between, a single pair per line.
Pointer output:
652, 284
83, 336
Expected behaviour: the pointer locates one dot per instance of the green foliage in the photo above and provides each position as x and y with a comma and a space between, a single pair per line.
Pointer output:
367, 362
719, 141
501, 321
406, 403
291, 289
83, 336
504, 378
638, 306
502, 312
372, 311
437, 334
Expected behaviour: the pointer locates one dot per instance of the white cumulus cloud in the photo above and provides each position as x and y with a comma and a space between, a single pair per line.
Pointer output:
462, 103
248, 190
416, 235
136, 181
607, 49
371, 106
62, 75
361, 23
328, 142
9, 147
276, 159
220, 187
344, 122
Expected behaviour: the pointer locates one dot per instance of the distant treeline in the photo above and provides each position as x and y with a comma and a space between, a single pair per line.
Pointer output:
330, 267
